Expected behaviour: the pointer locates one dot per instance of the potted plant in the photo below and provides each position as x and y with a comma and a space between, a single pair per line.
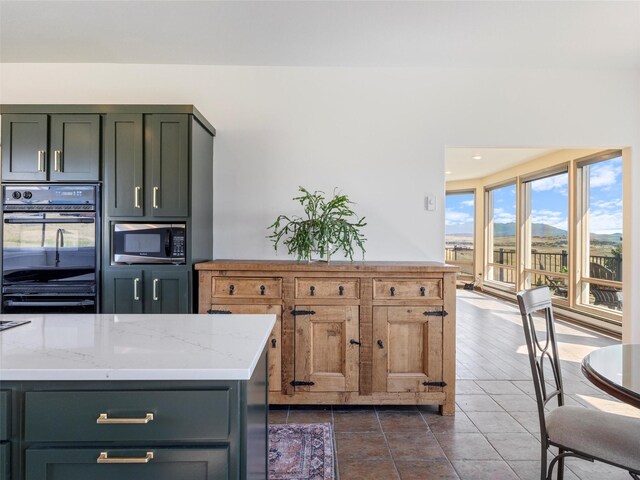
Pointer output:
328, 225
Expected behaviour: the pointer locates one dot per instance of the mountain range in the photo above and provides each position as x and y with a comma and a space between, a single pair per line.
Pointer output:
538, 230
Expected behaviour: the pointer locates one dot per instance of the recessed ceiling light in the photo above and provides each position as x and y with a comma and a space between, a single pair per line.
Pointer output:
448, 172
477, 157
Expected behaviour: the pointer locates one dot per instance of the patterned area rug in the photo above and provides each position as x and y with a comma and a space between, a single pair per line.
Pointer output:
301, 452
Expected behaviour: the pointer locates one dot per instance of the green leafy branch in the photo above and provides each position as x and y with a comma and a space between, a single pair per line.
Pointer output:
328, 226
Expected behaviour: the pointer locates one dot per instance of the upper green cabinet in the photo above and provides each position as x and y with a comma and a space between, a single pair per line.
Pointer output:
147, 165
41, 147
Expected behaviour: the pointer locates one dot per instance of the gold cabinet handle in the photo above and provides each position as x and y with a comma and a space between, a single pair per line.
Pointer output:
155, 289
136, 194
104, 458
136, 293
57, 165
41, 161
103, 418
155, 197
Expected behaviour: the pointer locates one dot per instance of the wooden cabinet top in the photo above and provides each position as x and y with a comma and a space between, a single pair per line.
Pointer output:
339, 266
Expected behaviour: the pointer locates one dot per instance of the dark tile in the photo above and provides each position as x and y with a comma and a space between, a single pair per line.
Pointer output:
402, 421
494, 422
484, 470
356, 421
413, 446
434, 469
457, 423
467, 446
515, 446
310, 416
362, 445
354, 469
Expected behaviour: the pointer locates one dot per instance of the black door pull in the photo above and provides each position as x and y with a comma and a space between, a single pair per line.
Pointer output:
380, 343
232, 289
273, 343
393, 291
312, 290
262, 288
422, 291
354, 342
341, 290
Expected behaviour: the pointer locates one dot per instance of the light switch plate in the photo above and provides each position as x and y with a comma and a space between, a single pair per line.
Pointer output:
430, 202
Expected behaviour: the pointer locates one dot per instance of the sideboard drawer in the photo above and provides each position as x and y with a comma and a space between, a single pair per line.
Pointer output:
5, 414
348, 288
407, 289
211, 463
177, 415
227, 287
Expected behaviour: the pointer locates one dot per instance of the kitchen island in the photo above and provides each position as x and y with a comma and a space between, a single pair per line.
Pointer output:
134, 396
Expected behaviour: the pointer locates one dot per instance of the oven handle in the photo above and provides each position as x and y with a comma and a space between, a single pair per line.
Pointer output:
49, 220
17, 303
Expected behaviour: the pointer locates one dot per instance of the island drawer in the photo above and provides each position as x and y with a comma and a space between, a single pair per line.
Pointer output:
5, 414
246, 287
211, 463
347, 288
191, 415
407, 289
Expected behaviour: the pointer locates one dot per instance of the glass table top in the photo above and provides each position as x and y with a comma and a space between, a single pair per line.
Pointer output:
616, 365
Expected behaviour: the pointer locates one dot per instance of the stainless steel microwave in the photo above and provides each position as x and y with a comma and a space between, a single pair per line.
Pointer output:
148, 243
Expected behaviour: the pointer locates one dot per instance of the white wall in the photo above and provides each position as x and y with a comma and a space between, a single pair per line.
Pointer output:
378, 134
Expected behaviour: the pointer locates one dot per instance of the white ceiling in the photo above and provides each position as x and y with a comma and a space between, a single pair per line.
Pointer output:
462, 166
324, 33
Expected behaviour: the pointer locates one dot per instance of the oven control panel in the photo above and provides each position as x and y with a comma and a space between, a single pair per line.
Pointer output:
33, 194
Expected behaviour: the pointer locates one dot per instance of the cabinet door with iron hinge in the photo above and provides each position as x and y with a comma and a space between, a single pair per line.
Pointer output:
407, 349
327, 348
274, 343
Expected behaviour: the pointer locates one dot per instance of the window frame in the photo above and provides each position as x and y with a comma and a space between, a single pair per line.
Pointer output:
461, 275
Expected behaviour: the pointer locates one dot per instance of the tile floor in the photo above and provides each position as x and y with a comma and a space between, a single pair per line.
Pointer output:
493, 435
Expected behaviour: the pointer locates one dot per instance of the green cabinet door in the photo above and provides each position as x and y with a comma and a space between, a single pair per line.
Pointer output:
124, 165
167, 152
123, 291
108, 463
24, 147
75, 148
169, 291
5, 461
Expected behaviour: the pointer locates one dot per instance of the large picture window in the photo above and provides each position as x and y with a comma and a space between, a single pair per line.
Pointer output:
546, 232
501, 232
459, 232
600, 215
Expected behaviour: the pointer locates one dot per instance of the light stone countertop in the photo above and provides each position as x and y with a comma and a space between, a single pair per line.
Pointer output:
133, 347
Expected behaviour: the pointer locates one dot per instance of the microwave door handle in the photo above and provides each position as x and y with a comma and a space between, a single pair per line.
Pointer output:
168, 243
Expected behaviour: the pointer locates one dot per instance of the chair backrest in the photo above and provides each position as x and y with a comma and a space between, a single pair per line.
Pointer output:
600, 271
543, 351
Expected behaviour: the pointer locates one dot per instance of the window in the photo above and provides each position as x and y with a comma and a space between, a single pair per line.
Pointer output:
501, 229
600, 215
459, 232
546, 232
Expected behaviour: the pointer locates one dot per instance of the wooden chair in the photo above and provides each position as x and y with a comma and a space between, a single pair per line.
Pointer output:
575, 431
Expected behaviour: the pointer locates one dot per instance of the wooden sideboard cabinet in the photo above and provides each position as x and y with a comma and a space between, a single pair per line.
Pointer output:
347, 332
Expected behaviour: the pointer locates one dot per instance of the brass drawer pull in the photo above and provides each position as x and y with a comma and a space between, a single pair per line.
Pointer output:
103, 418
104, 458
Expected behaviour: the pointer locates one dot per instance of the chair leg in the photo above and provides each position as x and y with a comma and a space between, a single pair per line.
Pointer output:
561, 464
543, 465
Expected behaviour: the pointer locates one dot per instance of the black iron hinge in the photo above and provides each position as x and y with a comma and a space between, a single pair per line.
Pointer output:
300, 383
436, 313
217, 312
434, 384
303, 312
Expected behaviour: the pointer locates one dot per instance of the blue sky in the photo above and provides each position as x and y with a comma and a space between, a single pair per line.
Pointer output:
550, 202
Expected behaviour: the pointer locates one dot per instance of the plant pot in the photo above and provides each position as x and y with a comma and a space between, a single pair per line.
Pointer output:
316, 256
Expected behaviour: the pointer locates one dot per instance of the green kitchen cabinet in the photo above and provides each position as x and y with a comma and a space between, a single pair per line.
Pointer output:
24, 147
122, 291
147, 165
70, 151
167, 159
5, 461
146, 290
210, 463
124, 165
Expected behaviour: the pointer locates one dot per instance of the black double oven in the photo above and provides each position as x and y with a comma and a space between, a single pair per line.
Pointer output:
50, 248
